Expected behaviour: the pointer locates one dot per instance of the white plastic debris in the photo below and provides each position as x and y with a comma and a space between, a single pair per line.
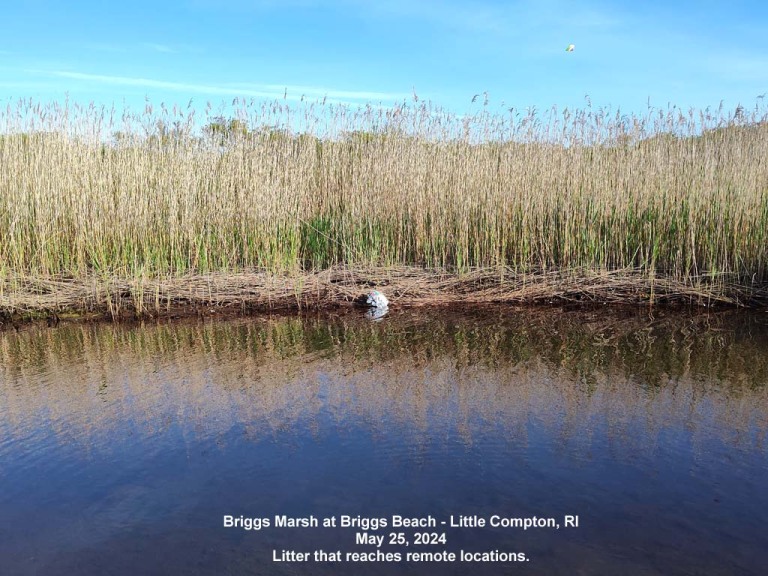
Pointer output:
571, 48
378, 305
376, 313
377, 300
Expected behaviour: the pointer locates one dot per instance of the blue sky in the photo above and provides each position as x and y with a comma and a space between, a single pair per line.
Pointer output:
684, 53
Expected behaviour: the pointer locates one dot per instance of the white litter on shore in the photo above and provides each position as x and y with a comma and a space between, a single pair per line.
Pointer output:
377, 299
378, 305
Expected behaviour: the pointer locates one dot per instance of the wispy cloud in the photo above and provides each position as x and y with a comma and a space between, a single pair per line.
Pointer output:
250, 90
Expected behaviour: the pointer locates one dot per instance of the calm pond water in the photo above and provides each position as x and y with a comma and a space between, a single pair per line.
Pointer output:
129, 449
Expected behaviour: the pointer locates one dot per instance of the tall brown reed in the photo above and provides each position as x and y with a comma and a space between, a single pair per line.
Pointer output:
84, 190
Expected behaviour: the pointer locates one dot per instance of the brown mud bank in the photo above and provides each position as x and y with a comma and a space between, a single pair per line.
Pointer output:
111, 297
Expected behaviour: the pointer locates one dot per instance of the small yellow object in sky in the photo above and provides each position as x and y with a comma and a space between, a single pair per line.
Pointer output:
570, 47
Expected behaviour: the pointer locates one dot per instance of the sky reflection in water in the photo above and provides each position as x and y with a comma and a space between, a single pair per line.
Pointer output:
122, 447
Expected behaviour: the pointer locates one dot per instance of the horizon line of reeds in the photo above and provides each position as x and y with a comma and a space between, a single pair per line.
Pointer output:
672, 193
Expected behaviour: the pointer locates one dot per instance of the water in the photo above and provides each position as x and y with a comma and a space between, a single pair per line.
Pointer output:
123, 447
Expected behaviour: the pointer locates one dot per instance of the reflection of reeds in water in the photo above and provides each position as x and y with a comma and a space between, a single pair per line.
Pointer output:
426, 377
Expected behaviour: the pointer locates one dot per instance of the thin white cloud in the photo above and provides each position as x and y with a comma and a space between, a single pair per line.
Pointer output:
250, 90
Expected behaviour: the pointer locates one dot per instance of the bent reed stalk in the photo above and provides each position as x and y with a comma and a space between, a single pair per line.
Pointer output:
669, 196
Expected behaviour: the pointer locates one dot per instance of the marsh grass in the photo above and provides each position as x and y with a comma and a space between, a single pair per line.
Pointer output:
671, 195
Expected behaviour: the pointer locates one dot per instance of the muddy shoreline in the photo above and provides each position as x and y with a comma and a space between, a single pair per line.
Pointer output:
24, 299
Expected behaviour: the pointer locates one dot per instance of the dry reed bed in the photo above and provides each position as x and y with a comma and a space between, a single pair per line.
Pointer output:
231, 292
143, 210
